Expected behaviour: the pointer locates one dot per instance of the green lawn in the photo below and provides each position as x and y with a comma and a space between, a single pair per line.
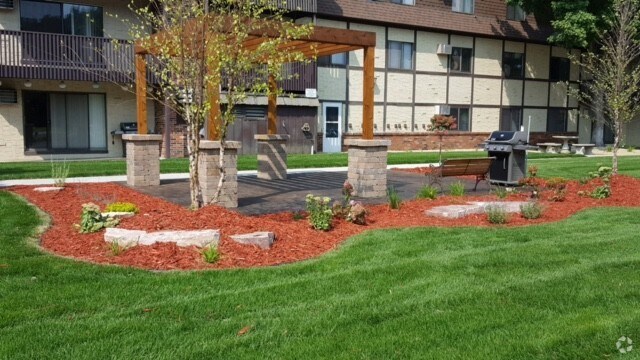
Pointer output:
574, 168
42, 169
560, 291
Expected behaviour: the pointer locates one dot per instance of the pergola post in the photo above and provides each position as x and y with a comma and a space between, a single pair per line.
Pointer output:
143, 150
272, 107
272, 148
214, 120
367, 94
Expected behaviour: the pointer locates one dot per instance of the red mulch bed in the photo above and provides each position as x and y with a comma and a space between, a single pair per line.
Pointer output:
295, 240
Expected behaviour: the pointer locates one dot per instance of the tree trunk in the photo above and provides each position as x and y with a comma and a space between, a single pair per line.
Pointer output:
221, 168
617, 128
193, 144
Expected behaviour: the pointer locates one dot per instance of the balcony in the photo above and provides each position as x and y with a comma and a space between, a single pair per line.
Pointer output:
34, 55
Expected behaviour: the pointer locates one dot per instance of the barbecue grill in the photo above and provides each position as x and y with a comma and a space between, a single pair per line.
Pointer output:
510, 150
125, 128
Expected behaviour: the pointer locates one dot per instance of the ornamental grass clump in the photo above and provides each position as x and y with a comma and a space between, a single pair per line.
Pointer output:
456, 189
531, 210
497, 215
428, 192
320, 213
210, 254
394, 199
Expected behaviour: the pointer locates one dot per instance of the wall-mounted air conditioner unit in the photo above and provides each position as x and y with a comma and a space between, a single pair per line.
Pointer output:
8, 96
442, 109
6, 4
444, 49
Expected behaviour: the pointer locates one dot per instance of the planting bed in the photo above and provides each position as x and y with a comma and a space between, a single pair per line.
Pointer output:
295, 240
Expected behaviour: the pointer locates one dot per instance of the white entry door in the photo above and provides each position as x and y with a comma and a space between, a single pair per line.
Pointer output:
332, 135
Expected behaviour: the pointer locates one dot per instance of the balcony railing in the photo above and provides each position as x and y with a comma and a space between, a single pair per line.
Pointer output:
33, 55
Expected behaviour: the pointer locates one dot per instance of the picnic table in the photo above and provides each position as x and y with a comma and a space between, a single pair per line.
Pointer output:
565, 142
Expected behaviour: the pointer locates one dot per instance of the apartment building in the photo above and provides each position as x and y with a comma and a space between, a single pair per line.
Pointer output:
486, 63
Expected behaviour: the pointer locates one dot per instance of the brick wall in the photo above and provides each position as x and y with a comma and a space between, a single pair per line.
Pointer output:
177, 135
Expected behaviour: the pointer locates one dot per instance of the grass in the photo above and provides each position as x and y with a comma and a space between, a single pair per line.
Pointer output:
573, 168
558, 291
81, 168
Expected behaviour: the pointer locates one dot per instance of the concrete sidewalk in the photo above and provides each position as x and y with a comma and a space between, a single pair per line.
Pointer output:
182, 176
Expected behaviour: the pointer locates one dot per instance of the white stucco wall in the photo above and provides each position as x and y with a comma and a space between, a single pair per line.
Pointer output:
459, 90
537, 61
486, 91
426, 47
485, 119
488, 57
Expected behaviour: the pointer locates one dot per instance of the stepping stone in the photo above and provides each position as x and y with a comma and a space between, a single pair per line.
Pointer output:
118, 215
262, 239
48, 188
199, 238
454, 211
508, 206
123, 237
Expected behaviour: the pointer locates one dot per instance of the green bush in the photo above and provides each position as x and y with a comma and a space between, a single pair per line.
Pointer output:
497, 215
500, 192
210, 254
609, 148
601, 192
631, 148
92, 220
122, 207
320, 214
428, 192
394, 198
531, 210
456, 189
115, 248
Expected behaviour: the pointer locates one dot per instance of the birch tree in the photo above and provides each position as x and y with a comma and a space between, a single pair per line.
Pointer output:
613, 73
199, 46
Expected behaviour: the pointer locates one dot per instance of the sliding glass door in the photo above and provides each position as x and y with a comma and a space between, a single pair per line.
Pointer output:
65, 122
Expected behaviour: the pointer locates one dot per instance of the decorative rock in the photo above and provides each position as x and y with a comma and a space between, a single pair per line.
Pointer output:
48, 188
262, 239
118, 215
475, 207
199, 238
123, 237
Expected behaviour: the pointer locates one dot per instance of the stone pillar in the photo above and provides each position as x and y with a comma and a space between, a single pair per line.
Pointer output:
272, 156
210, 174
143, 159
368, 167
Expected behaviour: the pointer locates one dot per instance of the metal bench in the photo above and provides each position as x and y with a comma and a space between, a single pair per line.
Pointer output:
583, 149
550, 148
478, 167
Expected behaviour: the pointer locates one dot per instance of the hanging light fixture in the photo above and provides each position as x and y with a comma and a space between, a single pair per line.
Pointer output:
62, 85
27, 84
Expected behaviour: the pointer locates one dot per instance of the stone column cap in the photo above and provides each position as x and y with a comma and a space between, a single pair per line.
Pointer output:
367, 143
211, 144
267, 137
141, 137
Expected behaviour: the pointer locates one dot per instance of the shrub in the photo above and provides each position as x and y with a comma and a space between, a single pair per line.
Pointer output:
609, 148
394, 198
496, 215
442, 123
92, 220
122, 207
531, 210
601, 192
500, 192
532, 170
630, 148
320, 214
210, 254
583, 180
456, 189
428, 192
115, 248
59, 173
559, 187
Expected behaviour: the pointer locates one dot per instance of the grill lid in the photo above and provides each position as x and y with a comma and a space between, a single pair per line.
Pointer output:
507, 137
129, 126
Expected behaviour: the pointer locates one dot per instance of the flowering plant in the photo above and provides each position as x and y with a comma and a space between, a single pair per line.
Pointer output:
442, 123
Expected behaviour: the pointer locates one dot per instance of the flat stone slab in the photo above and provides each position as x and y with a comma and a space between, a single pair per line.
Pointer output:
128, 238
475, 207
262, 239
48, 188
123, 237
118, 215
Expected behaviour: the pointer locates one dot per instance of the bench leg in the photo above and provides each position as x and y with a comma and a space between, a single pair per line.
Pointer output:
478, 179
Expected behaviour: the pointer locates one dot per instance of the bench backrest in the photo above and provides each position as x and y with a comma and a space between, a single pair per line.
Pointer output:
459, 167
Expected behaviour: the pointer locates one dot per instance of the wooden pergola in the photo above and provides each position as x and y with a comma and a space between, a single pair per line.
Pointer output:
323, 41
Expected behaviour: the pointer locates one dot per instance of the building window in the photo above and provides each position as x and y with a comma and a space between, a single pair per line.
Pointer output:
400, 55
60, 18
462, 6
404, 2
65, 122
557, 120
559, 69
460, 60
513, 65
462, 118
333, 60
515, 12
511, 119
